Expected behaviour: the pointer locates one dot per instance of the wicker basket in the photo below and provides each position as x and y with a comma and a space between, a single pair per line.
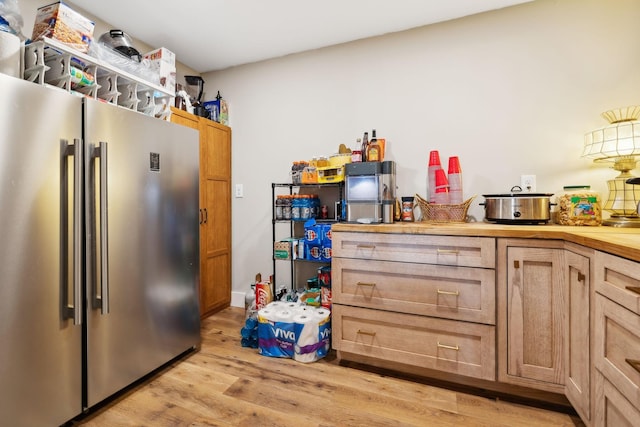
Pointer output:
443, 213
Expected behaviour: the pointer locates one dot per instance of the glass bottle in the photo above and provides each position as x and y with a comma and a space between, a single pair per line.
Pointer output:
365, 145
373, 150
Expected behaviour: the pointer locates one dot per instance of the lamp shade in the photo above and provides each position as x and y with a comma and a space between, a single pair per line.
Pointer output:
619, 139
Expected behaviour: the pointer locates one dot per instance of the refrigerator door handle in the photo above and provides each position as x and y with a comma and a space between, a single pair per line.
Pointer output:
72, 308
100, 295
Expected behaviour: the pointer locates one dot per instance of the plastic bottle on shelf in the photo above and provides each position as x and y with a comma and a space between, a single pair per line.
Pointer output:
279, 207
296, 208
315, 206
286, 207
455, 181
305, 206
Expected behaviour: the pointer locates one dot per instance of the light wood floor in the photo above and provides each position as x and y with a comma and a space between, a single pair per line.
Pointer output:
224, 384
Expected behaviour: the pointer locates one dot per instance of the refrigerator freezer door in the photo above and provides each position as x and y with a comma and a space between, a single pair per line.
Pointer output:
143, 261
40, 343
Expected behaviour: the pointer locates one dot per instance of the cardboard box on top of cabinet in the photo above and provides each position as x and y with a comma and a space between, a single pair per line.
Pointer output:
219, 110
59, 22
162, 54
163, 61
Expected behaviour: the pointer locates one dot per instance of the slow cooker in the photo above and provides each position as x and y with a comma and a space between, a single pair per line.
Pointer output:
517, 208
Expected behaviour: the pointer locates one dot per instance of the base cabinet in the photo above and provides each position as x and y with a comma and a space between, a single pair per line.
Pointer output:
612, 409
431, 343
420, 301
566, 322
578, 264
531, 314
616, 336
215, 210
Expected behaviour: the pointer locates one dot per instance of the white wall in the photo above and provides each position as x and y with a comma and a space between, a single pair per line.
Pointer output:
510, 91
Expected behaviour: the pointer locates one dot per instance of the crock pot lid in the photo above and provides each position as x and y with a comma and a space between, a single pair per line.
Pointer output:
511, 195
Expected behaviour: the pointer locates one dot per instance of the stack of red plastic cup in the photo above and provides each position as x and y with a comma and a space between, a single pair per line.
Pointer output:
455, 181
434, 165
442, 188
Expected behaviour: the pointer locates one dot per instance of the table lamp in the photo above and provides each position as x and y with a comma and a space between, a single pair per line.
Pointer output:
619, 143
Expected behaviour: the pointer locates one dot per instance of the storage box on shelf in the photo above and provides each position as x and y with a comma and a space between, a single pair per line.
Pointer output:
50, 62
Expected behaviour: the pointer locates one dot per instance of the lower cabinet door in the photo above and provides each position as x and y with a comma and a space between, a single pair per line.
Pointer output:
462, 348
612, 409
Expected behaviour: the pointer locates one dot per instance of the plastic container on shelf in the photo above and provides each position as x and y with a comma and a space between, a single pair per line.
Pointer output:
579, 205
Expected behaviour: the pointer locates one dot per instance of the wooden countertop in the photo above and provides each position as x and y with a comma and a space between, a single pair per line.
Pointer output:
623, 242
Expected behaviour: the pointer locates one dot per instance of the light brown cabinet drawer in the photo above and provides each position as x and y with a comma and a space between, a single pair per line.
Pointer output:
612, 409
617, 347
458, 293
456, 347
416, 248
619, 280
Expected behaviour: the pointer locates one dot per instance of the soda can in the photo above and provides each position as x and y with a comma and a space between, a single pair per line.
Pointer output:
263, 294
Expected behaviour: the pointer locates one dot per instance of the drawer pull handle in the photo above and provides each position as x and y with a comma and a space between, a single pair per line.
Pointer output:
448, 347
448, 251
516, 264
366, 246
365, 284
371, 334
581, 277
635, 364
635, 289
441, 292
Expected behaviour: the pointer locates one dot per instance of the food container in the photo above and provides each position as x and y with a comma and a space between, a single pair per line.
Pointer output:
578, 205
517, 208
58, 21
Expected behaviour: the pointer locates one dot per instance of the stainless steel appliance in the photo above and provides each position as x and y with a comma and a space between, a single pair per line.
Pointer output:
370, 191
517, 207
99, 261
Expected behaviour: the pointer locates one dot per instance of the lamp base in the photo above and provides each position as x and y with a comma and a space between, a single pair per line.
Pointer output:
622, 221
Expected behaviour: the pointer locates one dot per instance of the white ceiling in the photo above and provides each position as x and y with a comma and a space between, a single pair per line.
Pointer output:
209, 35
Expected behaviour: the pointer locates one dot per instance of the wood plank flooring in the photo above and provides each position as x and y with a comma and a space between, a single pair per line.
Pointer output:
224, 384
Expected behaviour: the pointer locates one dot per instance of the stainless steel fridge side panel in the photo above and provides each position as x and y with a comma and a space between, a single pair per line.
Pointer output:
151, 226
40, 347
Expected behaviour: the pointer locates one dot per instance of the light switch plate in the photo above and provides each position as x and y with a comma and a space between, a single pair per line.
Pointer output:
239, 190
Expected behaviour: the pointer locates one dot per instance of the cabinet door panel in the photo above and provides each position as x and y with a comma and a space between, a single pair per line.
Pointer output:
612, 409
578, 358
534, 300
215, 210
458, 293
422, 341
424, 249
617, 346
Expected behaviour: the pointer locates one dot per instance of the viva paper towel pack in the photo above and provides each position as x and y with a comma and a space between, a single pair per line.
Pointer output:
294, 330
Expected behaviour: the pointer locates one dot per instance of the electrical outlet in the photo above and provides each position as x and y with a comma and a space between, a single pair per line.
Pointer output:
239, 190
528, 183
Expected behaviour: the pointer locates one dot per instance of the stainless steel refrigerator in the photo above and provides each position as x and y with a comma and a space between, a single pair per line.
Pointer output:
99, 262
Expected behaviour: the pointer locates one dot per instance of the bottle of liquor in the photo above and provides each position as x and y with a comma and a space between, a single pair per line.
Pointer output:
365, 145
374, 149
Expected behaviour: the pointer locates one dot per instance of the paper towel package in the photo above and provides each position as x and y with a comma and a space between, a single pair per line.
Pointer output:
295, 331
276, 337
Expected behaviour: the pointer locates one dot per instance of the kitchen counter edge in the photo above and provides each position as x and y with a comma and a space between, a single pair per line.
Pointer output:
624, 242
